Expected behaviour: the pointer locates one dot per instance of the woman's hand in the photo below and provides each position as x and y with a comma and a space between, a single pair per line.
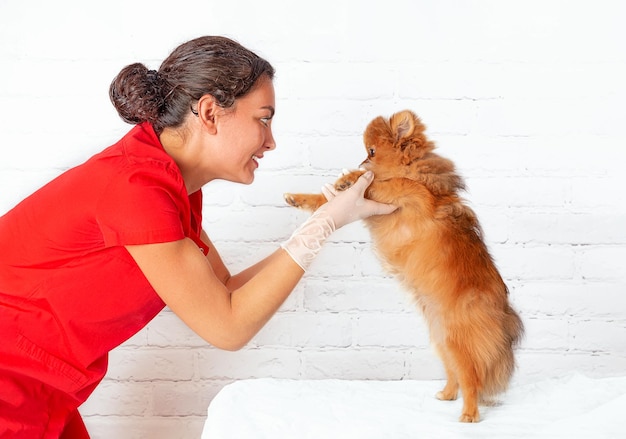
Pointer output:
350, 205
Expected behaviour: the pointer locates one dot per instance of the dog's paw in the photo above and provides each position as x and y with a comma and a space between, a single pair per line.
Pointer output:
292, 199
446, 396
342, 184
470, 417
308, 202
347, 180
450, 392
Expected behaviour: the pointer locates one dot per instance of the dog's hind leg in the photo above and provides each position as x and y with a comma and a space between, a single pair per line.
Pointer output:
469, 382
451, 390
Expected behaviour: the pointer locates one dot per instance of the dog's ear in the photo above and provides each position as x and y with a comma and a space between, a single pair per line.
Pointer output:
402, 124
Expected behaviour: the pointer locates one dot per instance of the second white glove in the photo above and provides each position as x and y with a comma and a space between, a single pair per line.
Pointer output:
351, 205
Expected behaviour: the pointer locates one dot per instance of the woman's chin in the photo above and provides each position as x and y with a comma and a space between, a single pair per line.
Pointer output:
244, 179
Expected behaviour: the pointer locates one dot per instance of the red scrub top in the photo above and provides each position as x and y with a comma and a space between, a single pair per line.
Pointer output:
69, 290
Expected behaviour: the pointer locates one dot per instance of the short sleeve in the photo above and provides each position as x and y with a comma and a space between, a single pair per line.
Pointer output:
143, 205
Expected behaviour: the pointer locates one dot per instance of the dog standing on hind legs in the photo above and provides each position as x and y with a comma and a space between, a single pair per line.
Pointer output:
433, 244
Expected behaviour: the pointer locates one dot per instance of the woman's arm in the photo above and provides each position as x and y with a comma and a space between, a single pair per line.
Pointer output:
186, 281
227, 311
221, 271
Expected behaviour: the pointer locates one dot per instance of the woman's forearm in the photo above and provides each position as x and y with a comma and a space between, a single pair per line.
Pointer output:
186, 282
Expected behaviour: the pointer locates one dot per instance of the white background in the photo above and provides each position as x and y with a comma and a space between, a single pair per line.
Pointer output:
527, 97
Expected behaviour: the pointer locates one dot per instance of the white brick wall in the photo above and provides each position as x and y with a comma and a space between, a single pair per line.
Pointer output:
526, 96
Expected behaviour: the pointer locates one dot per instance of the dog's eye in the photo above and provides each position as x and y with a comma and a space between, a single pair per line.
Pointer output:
372, 152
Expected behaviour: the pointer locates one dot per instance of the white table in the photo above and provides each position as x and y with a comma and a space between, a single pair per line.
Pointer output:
571, 407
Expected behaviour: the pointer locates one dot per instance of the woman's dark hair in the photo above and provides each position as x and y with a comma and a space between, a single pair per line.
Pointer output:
207, 65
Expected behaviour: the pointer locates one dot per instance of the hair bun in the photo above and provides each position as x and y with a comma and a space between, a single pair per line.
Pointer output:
136, 94
152, 76
207, 65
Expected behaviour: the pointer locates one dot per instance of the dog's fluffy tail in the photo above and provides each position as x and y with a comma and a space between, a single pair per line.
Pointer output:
501, 368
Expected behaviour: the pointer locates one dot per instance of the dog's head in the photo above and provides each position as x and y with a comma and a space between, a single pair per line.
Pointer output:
395, 142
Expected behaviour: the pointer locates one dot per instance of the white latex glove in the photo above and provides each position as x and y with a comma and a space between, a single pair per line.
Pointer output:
342, 208
350, 205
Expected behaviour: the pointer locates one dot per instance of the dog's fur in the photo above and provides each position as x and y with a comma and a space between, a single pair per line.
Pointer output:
433, 243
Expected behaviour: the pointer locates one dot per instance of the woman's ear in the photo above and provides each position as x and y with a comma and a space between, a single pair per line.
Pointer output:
206, 111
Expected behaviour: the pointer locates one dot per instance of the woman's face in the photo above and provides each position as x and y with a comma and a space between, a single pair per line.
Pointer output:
245, 133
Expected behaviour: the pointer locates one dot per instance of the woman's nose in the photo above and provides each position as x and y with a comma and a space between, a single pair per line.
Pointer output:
270, 143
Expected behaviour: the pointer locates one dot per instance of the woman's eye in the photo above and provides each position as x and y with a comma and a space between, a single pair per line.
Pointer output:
266, 121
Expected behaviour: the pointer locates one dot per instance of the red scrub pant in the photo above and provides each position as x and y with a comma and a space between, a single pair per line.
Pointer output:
30, 409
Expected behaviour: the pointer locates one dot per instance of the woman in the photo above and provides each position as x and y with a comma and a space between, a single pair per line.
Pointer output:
93, 256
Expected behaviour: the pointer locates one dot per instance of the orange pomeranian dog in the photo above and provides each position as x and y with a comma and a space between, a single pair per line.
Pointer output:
433, 243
